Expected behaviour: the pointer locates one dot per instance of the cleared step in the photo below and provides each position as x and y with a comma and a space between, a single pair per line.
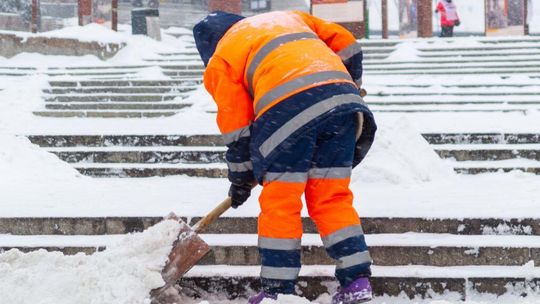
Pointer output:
117, 98
216, 170
120, 90
125, 83
114, 106
413, 281
482, 138
147, 156
104, 114
133, 140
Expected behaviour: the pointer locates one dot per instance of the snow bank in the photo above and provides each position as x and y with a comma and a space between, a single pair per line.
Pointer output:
90, 32
27, 163
401, 155
124, 273
137, 47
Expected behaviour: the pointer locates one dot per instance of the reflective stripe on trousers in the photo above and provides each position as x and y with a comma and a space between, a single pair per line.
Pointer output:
304, 118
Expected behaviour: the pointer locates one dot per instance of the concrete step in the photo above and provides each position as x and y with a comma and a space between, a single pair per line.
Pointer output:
211, 140
117, 98
453, 66
411, 281
475, 54
434, 110
510, 40
142, 140
185, 66
193, 73
173, 155
462, 71
456, 61
119, 73
248, 225
462, 153
14, 74
450, 92
437, 250
138, 170
482, 138
170, 155
480, 169
430, 104
378, 50
120, 90
104, 114
420, 84
66, 250
527, 46
125, 83
16, 68
114, 106
379, 43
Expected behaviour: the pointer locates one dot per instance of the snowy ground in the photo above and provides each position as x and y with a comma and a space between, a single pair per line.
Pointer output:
402, 177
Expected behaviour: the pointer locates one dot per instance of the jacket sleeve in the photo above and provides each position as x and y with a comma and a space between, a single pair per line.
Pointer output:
234, 117
341, 41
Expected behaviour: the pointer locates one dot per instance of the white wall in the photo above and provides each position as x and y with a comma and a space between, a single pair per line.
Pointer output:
534, 25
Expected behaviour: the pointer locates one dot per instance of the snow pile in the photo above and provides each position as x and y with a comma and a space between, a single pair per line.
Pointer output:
23, 162
136, 49
88, 33
405, 51
401, 155
124, 273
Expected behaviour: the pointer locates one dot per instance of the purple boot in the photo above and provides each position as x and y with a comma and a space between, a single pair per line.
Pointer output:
261, 296
358, 291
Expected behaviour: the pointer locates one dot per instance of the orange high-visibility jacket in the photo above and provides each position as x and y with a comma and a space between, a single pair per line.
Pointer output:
266, 59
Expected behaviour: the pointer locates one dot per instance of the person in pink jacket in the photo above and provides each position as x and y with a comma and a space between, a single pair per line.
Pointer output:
449, 17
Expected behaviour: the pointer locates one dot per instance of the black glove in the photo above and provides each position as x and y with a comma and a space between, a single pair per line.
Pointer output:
239, 194
457, 23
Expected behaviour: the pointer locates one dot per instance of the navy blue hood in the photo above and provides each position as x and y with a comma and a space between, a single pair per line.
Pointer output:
210, 30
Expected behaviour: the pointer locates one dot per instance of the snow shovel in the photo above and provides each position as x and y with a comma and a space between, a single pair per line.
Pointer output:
187, 250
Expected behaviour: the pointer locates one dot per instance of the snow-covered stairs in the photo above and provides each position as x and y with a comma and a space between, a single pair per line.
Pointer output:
203, 155
474, 153
417, 256
116, 98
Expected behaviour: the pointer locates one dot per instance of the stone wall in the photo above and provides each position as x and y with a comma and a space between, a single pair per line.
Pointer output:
11, 45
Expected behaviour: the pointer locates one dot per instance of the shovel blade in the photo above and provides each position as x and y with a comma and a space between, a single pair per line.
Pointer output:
188, 249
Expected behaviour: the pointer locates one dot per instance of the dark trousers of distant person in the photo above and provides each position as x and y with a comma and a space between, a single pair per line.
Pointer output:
447, 31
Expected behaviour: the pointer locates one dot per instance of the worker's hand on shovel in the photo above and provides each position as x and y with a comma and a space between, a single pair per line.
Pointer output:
239, 194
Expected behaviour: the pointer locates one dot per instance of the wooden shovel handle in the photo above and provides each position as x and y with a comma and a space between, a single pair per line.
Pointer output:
201, 225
